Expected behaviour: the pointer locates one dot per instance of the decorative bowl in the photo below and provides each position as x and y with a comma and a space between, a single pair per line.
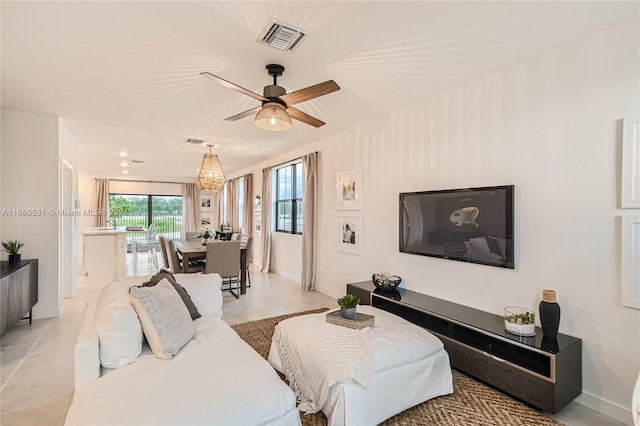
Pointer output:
385, 280
519, 321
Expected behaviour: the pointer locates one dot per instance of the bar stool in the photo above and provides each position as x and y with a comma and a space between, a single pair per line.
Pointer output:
147, 242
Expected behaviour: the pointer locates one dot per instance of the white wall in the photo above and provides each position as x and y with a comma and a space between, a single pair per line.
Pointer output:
550, 127
30, 165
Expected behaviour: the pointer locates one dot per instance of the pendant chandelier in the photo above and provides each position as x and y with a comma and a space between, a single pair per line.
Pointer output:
210, 175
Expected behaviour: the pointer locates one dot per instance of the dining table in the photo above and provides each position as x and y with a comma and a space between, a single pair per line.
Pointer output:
194, 249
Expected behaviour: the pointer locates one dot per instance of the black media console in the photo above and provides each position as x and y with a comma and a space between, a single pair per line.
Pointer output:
544, 373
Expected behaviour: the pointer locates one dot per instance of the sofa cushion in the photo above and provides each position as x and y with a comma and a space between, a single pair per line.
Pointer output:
205, 290
164, 274
165, 319
117, 326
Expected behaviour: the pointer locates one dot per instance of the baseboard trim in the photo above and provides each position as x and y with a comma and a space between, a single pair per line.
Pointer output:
287, 275
608, 408
45, 313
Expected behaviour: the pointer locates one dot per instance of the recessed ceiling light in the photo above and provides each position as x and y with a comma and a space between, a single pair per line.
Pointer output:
123, 154
125, 171
124, 164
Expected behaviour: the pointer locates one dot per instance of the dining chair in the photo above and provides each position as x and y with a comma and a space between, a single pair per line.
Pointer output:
235, 236
191, 236
175, 263
163, 250
246, 242
223, 258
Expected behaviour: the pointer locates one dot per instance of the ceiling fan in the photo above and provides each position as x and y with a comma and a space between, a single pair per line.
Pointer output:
276, 110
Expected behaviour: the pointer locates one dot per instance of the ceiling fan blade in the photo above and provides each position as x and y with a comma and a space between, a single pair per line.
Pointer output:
304, 117
247, 113
310, 92
233, 86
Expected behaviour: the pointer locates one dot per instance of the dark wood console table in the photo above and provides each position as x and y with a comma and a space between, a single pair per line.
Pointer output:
18, 292
545, 373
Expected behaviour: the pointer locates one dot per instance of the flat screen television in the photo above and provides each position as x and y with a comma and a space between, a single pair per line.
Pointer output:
470, 225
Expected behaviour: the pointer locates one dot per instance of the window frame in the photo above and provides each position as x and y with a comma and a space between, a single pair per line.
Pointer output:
295, 203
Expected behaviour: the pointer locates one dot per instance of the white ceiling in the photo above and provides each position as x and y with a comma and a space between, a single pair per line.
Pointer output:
125, 75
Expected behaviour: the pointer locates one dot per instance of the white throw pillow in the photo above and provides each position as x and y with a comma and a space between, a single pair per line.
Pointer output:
205, 291
117, 326
165, 319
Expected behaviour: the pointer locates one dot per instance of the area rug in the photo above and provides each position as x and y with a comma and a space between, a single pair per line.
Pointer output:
471, 404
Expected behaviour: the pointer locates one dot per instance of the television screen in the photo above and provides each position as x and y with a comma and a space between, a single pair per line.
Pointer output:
470, 225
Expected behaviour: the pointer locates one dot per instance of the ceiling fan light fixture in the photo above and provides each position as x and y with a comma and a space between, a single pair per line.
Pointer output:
273, 117
210, 175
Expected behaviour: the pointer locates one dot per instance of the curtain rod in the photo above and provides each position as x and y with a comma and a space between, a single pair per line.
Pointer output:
145, 181
288, 161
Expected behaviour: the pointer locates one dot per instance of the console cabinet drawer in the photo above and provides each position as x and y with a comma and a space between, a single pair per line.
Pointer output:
521, 384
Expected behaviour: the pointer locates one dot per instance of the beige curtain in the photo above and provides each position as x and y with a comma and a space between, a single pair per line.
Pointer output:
232, 206
248, 204
267, 210
102, 202
310, 221
190, 208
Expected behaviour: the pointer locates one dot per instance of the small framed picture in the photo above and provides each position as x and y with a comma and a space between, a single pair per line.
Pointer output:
630, 176
350, 233
349, 190
257, 220
206, 203
630, 272
205, 220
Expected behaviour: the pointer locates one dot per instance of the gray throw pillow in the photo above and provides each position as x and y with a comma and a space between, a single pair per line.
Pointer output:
164, 274
165, 320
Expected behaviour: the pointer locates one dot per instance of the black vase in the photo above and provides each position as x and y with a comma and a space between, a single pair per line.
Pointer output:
14, 258
549, 314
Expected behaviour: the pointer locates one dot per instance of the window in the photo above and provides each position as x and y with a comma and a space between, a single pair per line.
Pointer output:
164, 211
289, 199
223, 204
240, 192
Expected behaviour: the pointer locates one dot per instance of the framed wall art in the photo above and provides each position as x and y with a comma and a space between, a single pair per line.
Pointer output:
257, 222
350, 233
629, 263
630, 185
206, 203
349, 190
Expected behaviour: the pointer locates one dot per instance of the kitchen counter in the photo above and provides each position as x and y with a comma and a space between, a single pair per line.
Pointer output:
105, 251
106, 230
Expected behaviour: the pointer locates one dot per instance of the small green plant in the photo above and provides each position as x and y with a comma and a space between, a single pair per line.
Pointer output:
12, 246
524, 318
348, 301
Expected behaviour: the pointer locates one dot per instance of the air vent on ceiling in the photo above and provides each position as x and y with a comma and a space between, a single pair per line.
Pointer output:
281, 36
137, 161
195, 141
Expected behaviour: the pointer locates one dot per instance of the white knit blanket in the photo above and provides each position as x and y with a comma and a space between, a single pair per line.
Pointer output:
316, 355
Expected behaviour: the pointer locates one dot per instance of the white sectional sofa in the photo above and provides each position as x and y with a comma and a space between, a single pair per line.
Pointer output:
215, 379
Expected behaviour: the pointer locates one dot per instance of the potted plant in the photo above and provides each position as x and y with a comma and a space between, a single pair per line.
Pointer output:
13, 247
348, 305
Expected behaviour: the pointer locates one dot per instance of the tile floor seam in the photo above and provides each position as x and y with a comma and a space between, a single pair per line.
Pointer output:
25, 356
66, 409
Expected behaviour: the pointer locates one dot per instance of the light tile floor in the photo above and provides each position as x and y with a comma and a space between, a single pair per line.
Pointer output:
36, 361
